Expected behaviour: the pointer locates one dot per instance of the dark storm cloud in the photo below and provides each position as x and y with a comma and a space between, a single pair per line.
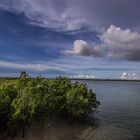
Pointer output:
122, 13
72, 15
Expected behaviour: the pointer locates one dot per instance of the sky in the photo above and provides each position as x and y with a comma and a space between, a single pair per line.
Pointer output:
98, 38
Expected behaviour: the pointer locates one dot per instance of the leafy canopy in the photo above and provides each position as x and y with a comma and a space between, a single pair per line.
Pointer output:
31, 98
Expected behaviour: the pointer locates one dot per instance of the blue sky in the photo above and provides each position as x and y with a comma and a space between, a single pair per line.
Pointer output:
64, 37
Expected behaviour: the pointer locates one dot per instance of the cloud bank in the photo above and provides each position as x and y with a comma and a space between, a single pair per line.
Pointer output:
126, 75
115, 43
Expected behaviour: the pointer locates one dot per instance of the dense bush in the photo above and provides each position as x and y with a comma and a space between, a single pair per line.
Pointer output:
30, 98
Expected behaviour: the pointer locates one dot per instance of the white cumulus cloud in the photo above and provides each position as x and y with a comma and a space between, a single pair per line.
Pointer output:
82, 48
121, 44
126, 75
115, 43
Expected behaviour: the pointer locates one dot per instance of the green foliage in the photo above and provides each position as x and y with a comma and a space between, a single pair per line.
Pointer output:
80, 102
30, 98
7, 94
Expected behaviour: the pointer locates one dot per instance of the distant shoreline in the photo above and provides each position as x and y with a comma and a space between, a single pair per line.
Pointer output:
91, 79
125, 80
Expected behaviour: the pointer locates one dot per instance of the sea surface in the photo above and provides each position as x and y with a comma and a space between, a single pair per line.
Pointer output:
119, 112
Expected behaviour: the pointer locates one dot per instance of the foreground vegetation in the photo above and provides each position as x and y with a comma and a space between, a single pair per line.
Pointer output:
31, 99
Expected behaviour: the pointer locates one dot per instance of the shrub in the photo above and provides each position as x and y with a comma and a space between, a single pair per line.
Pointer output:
30, 98
7, 94
81, 102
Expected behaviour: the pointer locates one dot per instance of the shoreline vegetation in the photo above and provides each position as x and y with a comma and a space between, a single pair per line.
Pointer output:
25, 100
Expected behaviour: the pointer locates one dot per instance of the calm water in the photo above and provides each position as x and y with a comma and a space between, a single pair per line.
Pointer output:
119, 114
